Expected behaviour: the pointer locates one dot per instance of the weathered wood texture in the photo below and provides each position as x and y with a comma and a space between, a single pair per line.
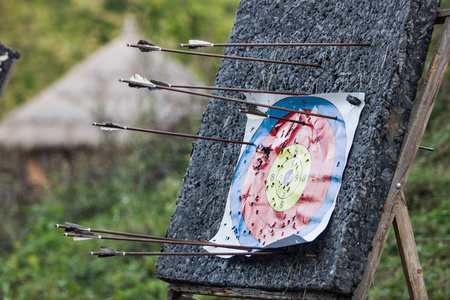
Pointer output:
442, 16
249, 293
178, 295
387, 72
395, 210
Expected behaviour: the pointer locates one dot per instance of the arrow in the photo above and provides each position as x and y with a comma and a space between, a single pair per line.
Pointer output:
110, 251
426, 148
107, 252
256, 112
146, 46
82, 237
139, 81
197, 44
216, 88
109, 126
78, 229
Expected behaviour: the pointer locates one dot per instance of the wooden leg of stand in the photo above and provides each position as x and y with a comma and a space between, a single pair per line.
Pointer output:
173, 295
408, 253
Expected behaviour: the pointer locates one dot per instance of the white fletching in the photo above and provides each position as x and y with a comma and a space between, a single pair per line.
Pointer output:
196, 44
79, 239
108, 129
200, 42
138, 78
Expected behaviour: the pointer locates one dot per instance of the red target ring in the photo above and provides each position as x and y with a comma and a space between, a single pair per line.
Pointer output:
288, 178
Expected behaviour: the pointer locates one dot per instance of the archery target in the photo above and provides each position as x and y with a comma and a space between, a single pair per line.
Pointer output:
286, 184
289, 178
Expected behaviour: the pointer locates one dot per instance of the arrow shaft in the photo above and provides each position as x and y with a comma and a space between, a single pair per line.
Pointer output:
175, 134
200, 87
119, 253
113, 232
272, 117
275, 44
156, 48
148, 238
224, 98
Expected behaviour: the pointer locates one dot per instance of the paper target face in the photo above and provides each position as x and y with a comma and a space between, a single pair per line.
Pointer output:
285, 186
280, 185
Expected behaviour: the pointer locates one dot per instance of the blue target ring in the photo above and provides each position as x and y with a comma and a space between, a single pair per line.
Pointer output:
271, 232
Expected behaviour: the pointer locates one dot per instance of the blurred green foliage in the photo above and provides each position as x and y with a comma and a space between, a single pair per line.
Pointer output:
131, 189
134, 188
54, 35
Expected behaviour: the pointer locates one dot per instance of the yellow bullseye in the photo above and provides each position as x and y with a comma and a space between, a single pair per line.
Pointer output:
288, 177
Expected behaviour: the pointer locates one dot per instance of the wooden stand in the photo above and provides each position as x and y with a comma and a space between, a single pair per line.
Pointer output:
395, 210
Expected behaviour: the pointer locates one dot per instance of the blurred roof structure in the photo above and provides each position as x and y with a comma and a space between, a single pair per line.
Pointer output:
61, 115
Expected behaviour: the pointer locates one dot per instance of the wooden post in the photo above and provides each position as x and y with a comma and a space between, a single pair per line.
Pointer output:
395, 210
408, 253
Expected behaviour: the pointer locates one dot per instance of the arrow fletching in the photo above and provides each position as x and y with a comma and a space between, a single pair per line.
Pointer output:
149, 46
197, 44
253, 111
140, 82
107, 252
84, 235
71, 227
109, 126
156, 82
